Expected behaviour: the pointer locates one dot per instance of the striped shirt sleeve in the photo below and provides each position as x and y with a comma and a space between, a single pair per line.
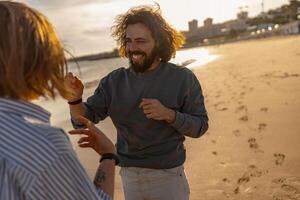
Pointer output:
65, 178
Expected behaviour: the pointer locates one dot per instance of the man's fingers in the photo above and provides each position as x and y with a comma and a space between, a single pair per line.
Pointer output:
73, 79
148, 106
142, 104
154, 116
149, 111
69, 75
150, 116
147, 102
78, 83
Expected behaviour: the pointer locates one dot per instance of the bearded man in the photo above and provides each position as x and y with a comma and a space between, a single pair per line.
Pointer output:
153, 104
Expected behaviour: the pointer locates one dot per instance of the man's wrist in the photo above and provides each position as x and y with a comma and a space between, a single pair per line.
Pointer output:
75, 102
171, 116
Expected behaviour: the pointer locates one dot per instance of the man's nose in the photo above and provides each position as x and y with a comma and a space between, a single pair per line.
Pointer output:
132, 46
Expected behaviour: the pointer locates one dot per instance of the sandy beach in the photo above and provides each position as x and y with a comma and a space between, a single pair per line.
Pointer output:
251, 150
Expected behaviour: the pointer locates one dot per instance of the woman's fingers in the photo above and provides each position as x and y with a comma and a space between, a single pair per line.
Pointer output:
83, 120
85, 145
79, 132
83, 139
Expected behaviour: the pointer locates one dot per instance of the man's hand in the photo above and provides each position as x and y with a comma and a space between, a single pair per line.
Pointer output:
74, 86
93, 138
153, 109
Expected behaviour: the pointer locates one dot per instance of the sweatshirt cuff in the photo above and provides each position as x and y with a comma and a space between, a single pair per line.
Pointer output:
179, 120
76, 124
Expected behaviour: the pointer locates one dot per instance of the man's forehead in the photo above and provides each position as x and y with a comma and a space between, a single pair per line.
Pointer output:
138, 30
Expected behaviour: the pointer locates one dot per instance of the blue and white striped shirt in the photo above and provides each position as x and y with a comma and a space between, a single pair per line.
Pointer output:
37, 161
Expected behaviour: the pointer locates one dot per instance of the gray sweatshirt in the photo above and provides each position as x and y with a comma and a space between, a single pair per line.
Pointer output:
143, 142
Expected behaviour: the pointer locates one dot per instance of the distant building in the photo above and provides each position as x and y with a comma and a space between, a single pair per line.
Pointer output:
237, 25
208, 22
193, 26
210, 30
290, 28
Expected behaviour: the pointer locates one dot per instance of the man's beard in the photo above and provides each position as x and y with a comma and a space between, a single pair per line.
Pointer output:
146, 64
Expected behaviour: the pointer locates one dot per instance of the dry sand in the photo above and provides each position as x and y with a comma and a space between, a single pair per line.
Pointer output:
251, 150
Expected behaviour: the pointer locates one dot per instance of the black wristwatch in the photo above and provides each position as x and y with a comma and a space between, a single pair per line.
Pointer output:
75, 102
110, 156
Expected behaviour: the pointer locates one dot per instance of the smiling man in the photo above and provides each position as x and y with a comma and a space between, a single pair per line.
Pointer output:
140, 48
153, 104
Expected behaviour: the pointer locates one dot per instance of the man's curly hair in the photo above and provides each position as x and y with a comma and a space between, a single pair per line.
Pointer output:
167, 39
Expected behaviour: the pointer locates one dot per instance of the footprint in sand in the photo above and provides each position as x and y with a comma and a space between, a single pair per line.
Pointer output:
225, 180
264, 109
241, 181
214, 153
286, 188
252, 171
261, 126
223, 164
236, 190
279, 158
255, 172
244, 118
218, 106
242, 107
242, 94
244, 179
218, 94
237, 133
252, 143
213, 141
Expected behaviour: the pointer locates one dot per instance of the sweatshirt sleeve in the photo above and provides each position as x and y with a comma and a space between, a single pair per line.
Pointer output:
192, 119
96, 106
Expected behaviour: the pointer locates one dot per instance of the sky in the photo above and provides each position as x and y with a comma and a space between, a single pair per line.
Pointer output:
84, 25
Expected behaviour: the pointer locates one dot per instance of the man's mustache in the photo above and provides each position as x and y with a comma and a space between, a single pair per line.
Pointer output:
136, 53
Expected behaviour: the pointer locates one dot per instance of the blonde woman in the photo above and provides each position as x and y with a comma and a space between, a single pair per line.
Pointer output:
36, 159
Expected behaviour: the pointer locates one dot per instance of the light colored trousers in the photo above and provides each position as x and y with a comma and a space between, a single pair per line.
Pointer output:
154, 184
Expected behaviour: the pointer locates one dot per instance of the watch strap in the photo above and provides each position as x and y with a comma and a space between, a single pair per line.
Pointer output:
110, 156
